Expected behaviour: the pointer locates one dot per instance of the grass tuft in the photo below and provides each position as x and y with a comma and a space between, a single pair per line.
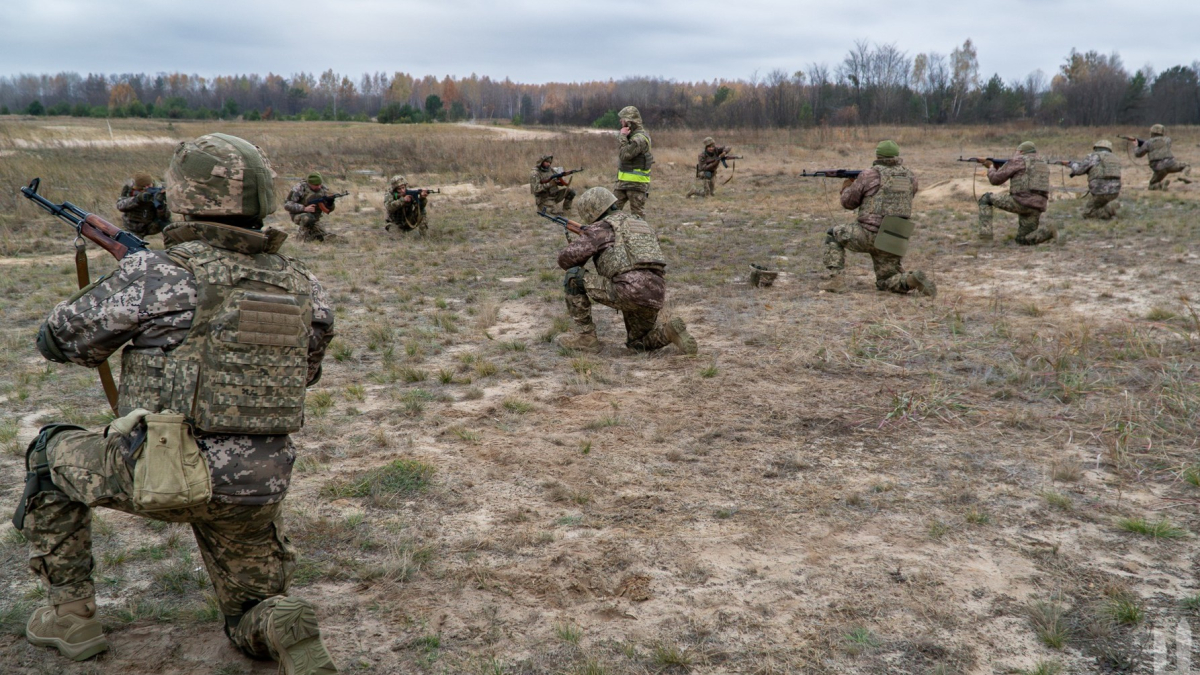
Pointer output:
1158, 529
402, 477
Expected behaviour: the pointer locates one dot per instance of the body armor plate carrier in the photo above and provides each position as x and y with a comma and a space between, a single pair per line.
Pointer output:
634, 247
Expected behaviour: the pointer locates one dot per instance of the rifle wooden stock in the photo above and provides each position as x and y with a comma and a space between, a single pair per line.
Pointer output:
101, 232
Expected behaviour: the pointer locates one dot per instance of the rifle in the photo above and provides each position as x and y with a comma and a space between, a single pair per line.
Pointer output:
568, 224
102, 233
980, 160
325, 204
1132, 139
832, 173
416, 192
560, 174
158, 196
725, 157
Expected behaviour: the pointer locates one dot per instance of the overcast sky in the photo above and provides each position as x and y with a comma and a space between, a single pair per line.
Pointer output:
562, 40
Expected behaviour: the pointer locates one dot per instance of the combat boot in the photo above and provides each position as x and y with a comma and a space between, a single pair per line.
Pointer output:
922, 284
834, 283
72, 628
293, 634
675, 330
583, 342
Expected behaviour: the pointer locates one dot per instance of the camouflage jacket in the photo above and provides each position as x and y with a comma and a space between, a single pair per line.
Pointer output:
149, 301
136, 213
298, 198
1001, 175
643, 287
633, 149
400, 210
710, 161
867, 185
1159, 150
538, 175
1096, 186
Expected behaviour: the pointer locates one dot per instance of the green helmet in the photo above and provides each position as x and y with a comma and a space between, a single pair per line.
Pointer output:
630, 113
887, 149
1158, 130
220, 175
1026, 148
709, 141
594, 203
1102, 144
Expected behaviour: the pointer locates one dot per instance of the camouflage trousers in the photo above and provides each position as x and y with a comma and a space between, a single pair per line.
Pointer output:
1163, 169
889, 273
547, 200
1030, 231
310, 227
637, 201
642, 330
144, 228
1102, 206
407, 218
704, 186
247, 556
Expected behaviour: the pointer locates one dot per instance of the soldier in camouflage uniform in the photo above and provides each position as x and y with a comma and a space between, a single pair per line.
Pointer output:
1162, 161
305, 214
405, 208
886, 189
1028, 176
634, 160
707, 165
547, 191
143, 206
1103, 170
221, 328
628, 277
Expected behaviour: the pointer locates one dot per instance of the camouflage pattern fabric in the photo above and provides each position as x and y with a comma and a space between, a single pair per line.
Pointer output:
309, 223
889, 270
1163, 168
707, 165
310, 227
1103, 170
864, 193
1157, 149
141, 218
634, 155
642, 330
220, 175
406, 215
635, 246
247, 556
546, 195
636, 198
1102, 206
1022, 187
1030, 231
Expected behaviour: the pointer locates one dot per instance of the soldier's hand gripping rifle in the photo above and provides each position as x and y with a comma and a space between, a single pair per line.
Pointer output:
325, 204
568, 224
560, 175
102, 233
725, 157
1133, 139
154, 195
984, 161
832, 173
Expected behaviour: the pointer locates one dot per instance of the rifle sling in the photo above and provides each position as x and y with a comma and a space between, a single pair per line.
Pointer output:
84, 278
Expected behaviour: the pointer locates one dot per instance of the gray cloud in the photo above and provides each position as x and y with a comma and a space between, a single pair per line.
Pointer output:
572, 40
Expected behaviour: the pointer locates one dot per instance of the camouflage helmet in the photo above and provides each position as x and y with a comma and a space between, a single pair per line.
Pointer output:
1026, 148
142, 180
546, 158
1102, 144
630, 113
399, 179
594, 203
1158, 130
708, 140
220, 175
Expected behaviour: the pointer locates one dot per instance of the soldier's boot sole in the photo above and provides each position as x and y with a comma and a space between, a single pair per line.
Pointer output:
922, 284
678, 335
293, 633
76, 651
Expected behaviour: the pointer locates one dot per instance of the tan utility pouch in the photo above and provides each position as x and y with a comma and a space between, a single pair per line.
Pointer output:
170, 472
893, 235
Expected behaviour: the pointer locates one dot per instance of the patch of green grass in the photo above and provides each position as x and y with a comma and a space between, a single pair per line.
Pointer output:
671, 656
1158, 529
1191, 603
709, 371
1049, 622
603, 422
1125, 610
356, 392
445, 376
585, 447
862, 637
13, 617
1157, 313
590, 667
319, 402
1058, 500
513, 346
485, 368
400, 478
569, 633
1191, 476
938, 529
978, 517
410, 374
465, 434
516, 405
179, 578
341, 351
137, 610
726, 513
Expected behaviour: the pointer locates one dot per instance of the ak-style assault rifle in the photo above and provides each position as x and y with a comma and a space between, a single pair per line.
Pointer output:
980, 160
560, 174
325, 204
100, 232
417, 192
832, 173
1133, 139
568, 224
725, 157
158, 196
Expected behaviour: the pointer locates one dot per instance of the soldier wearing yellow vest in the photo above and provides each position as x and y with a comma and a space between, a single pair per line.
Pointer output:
1162, 160
883, 195
634, 160
1028, 178
221, 335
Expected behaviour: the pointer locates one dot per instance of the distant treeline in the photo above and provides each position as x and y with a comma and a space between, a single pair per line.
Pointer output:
873, 84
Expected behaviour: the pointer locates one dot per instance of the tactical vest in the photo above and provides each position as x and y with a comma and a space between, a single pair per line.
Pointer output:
1160, 148
636, 170
243, 367
895, 195
634, 247
1035, 177
1108, 168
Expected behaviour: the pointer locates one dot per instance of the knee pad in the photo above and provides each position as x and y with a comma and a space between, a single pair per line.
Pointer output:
37, 469
573, 282
986, 199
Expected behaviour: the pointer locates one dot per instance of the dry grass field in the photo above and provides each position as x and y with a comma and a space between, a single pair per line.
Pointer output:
1003, 479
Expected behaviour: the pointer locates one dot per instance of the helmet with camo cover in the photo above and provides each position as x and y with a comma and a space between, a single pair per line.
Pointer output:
1158, 130
594, 203
399, 180
708, 140
1102, 144
630, 113
220, 175
142, 180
